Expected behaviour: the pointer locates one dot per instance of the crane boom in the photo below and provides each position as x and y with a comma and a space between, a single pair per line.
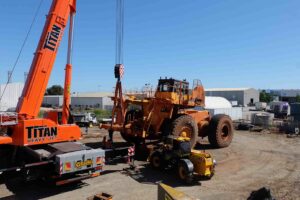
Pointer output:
44, 58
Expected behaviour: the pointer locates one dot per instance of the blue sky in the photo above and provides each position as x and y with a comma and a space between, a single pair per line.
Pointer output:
229, 43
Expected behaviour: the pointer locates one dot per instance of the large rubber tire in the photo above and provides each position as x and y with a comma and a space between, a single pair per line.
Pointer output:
156, 160
220, 131
185, 123
185, 170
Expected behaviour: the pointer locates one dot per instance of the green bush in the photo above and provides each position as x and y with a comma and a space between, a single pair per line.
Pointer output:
41, 114
102, 113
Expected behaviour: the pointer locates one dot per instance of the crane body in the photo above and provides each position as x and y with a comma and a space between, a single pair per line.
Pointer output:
53, 128
32, 147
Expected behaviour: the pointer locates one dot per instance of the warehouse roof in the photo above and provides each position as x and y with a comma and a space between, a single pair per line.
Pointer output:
286, 92
227, 89
92, 94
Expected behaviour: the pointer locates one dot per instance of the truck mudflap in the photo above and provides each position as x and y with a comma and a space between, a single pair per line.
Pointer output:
77, 161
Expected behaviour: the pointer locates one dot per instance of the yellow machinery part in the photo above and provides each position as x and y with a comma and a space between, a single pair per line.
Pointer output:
166, 192
203, 163
183, 138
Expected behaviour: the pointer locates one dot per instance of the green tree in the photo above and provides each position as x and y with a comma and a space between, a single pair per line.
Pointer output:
55, 90
265, 97
298, 98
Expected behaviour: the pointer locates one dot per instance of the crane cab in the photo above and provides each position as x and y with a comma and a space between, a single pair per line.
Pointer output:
178, 92
173, 90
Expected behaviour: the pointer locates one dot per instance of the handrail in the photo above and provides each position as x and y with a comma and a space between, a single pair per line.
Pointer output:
8, 118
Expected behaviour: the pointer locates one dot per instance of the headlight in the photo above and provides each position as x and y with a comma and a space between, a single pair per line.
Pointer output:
214, 162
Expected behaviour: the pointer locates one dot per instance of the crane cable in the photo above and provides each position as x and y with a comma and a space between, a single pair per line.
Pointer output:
119, 31
22, 47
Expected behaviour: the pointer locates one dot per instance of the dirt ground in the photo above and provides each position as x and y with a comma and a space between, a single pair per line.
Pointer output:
252, 161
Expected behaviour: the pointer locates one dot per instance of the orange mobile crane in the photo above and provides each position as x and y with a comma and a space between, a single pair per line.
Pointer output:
32, 147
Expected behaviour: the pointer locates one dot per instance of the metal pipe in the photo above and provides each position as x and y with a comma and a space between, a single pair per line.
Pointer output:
71, 36
68, 75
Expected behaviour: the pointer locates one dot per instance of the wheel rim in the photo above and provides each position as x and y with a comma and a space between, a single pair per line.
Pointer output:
182, 172
156, 161
186, 131
225, 132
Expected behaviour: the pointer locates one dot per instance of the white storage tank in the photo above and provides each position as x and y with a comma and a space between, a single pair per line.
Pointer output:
260, 105
220, 105
216, 102
10, 95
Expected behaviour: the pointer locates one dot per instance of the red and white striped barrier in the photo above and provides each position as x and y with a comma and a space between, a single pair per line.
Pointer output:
131, 153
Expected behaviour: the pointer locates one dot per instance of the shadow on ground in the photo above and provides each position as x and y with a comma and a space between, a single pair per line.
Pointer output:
147, 175
204, 146
38, 190
144, 175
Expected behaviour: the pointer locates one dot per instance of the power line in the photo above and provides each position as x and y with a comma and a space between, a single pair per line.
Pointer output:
22, 47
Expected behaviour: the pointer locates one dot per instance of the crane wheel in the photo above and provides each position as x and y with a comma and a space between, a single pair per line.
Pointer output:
14, 184
185, 125
156, 160
220, 131
185, 170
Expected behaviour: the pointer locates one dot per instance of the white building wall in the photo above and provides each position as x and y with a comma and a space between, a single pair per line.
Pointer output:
53, 101
235, 113
107, 103
243, 96
87, 102
11, 95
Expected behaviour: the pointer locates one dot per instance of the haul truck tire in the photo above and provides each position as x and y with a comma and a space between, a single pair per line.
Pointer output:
185, 124
220, 131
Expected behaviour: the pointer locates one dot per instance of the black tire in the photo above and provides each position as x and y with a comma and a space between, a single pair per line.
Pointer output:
14, 184
156, 160
126, 137
220, 131
185, 123
185, 170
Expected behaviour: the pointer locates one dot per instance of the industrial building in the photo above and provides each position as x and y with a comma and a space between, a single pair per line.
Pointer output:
53, 101
285, 95
237, 96
99, 100
10, 94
